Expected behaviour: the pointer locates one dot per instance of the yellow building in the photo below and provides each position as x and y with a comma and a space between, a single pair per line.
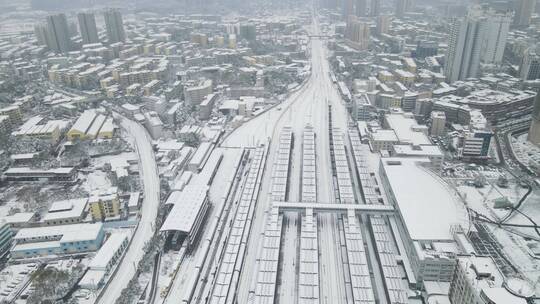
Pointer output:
405, 77
81, 126
91, 125
107, 130
385, 76
232, 41
104, 206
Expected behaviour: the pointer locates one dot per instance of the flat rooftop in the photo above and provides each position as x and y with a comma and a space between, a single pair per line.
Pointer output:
67, 233
407, 129
71, 208
412, 150
427, 205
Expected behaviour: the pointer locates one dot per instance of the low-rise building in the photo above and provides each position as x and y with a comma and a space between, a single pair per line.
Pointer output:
69, 211
6, 237
104, 261
382, 139
57, 240
104, 206
26, 174
35, 128
432, 152
87, 126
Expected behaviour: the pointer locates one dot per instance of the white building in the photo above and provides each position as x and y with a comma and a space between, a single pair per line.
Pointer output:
438, 122
432, 152
105, 259
464, 47
497, 25
382, 140
477, 280
429, 212
69, 211
407, 130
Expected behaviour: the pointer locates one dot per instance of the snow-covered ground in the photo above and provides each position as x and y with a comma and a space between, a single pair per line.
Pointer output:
13, 278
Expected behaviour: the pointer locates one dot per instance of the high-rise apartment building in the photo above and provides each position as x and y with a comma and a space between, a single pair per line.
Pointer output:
114, 25
497, 25
464, 47
40, 30
438, 121
88, 28
530, 64
479, 37
361, 8
375, 8
383, 24
403, 6
357, 33
523, 12
59, 39
347, 7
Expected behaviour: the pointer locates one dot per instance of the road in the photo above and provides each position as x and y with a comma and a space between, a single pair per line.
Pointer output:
149, 209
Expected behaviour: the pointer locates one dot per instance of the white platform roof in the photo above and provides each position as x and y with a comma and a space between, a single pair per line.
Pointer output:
427, 205
186, 208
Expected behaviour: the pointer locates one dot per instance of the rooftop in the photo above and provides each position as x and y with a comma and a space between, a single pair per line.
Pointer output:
108, 250
84, 121
67, 233
412, 150
484, 275
406, 128
66, 209
186, 208
428, 207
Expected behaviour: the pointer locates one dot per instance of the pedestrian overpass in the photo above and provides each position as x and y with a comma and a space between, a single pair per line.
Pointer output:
333, 208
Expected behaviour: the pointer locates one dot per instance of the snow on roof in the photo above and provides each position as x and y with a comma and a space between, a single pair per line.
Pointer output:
27, 170
67, 233
108, 250
66, 209
426, 204
201, 153
21, 217
483, 274
84, 121
406, 128
187, 206
229, 104
23, 156
96, 126
168, 145
134, 199
384, 135
412, 150
108, 126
